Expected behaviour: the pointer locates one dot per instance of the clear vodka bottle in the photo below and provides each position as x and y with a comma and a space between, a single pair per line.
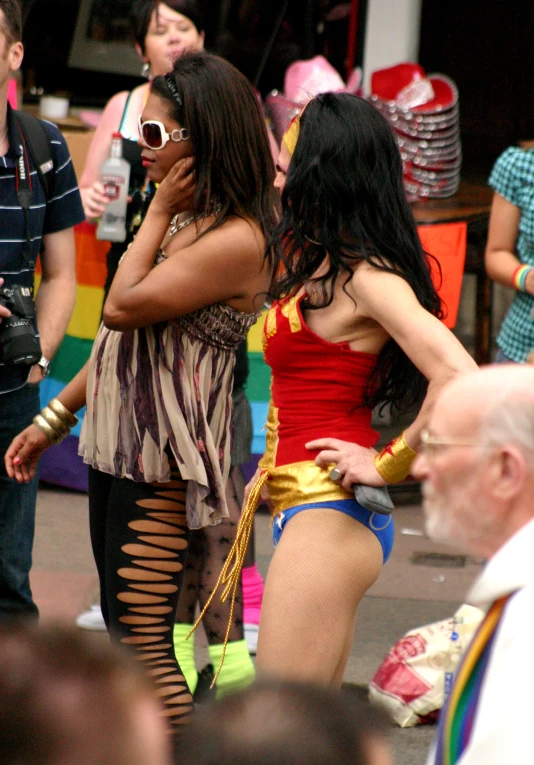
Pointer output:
115, 177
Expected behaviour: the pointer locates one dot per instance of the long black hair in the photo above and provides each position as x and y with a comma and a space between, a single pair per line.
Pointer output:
344, 196
233, 162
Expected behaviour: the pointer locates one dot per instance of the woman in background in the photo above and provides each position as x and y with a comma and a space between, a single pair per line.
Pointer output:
510, 249
163, 31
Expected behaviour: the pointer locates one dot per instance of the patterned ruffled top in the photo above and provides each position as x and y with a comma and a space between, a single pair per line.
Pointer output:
167, 386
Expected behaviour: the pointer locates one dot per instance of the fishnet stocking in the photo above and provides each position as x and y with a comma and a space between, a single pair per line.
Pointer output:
140, 539
208, 550
323, 565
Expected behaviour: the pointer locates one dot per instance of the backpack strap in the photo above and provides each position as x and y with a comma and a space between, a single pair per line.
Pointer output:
40, 148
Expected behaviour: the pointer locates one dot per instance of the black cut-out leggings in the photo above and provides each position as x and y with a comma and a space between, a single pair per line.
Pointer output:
140, 539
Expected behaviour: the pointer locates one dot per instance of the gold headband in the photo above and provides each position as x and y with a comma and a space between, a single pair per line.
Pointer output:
291, 136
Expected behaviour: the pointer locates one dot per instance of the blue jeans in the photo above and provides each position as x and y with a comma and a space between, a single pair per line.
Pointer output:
17, 509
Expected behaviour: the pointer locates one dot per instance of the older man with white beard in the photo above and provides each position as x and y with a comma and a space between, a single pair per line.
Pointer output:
477, 469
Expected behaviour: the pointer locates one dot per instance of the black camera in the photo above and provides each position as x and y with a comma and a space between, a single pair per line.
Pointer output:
18, 342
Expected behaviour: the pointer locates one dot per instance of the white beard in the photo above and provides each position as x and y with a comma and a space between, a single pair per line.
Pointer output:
453, 528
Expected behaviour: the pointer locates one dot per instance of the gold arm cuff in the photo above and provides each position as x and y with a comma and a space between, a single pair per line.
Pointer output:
53, 436
56, 422
395, 460
63, 413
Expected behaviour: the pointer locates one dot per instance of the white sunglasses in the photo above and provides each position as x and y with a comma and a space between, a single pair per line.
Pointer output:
155, 136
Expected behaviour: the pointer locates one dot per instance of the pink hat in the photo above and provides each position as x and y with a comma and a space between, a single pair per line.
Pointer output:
304, 80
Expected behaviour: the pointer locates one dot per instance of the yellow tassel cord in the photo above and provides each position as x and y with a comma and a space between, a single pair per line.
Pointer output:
230, 575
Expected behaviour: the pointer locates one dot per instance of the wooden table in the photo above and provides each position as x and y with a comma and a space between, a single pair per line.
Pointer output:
70, 122
471, 203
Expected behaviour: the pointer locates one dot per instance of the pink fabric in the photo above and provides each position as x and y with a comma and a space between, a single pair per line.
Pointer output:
252, 583
12, 94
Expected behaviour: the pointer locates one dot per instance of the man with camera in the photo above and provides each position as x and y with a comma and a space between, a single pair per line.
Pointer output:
39, 205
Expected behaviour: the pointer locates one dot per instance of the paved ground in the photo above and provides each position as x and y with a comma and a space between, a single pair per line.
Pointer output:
405, 596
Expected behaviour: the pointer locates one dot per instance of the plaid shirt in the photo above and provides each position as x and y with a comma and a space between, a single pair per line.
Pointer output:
512, 177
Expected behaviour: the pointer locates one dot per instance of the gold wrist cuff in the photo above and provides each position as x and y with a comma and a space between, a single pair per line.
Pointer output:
63, 413
395, 460
53, 436
56, 422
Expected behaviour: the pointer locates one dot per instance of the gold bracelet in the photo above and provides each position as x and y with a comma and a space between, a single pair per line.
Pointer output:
395, 460
53, 436
63, 413
56, 422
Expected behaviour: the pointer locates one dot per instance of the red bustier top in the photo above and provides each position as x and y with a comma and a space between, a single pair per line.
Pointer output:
317, 387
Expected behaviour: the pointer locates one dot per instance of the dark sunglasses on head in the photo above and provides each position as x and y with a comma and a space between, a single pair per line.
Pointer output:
154, 135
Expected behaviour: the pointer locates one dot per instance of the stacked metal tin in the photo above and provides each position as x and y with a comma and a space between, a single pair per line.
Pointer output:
424, 114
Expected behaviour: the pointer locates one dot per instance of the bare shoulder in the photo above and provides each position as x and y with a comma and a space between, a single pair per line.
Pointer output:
116, 104
369, 281
241, 238
244, 233
239, 242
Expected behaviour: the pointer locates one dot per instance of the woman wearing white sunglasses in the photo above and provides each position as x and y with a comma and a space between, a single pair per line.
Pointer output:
158, 386
163, 31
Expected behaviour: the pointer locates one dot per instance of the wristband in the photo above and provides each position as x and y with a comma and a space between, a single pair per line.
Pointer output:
519, 277
393, 463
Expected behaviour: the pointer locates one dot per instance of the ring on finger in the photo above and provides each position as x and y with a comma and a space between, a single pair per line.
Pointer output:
335, 474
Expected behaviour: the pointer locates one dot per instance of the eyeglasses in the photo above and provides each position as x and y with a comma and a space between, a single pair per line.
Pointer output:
432, 445
155, 136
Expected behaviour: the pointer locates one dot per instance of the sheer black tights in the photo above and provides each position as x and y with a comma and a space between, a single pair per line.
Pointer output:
140, 538
208, 551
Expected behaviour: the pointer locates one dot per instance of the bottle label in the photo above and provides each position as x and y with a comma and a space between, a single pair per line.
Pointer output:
111, 190
110, 219
112, 185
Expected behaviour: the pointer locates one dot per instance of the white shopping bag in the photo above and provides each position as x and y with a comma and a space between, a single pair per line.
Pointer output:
415, 677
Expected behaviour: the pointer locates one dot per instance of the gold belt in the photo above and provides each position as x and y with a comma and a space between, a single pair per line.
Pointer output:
302, 483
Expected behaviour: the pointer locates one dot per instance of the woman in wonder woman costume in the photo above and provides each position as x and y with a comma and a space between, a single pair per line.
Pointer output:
356, 325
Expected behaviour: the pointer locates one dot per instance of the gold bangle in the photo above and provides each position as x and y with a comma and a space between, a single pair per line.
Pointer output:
395, 460
53, 436
56, 422
63, 413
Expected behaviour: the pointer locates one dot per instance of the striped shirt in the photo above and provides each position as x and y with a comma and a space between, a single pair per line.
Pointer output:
512, 177
63, 211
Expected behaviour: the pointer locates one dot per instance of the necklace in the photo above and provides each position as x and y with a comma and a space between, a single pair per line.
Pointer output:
175, 226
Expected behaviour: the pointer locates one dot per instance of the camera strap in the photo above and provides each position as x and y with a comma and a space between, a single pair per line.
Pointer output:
23, 184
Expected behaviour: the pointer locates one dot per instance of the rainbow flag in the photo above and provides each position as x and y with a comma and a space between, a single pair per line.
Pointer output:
458, 716
60, 464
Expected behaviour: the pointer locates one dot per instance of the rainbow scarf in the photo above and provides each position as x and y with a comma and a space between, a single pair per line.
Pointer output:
458, 716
